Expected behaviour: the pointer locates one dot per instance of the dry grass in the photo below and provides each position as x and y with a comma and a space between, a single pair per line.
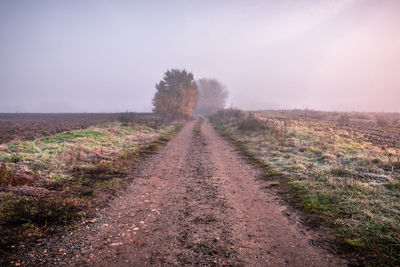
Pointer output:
50, 181
344, 171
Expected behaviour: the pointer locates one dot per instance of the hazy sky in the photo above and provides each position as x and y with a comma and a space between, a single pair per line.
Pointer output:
102, 56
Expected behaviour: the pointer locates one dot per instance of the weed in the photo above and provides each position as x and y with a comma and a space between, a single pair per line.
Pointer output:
393, 156
340, 172
15, 158
344, 119
317, 203
197, 128
382, 121
251, 123
356, 242
13, 147
5, 174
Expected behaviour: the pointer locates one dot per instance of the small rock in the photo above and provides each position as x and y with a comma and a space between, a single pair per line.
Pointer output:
116, 244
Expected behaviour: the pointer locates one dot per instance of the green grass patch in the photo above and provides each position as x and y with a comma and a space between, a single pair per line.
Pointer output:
320, 202
71, 135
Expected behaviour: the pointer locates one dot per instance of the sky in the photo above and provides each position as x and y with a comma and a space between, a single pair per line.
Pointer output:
107, 56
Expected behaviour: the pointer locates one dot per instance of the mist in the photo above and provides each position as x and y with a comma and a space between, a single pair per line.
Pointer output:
107, 56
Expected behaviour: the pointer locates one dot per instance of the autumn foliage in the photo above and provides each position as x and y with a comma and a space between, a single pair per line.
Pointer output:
176, 95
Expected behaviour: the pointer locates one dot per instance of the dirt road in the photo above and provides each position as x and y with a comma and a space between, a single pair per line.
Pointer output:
195, 203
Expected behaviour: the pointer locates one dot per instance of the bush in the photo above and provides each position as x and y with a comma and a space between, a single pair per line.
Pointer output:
5, 175
125, 117
252, 123
228, 115
344, 119
382, 121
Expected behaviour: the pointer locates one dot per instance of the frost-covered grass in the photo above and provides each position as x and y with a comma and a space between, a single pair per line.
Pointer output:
351, 183
51, 180
59, 156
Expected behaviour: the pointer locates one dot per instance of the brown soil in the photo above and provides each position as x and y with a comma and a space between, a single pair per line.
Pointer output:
195, 203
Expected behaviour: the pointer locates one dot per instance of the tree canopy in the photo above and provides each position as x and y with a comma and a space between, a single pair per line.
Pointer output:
176, 94
211, 98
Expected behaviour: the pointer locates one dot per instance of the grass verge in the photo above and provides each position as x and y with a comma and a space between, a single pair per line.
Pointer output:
332, 175
47, 183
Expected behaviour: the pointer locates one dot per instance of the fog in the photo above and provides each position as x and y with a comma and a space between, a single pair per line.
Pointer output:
107, 56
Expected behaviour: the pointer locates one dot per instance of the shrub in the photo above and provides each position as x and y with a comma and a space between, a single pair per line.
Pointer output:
344, 119
228, 115
252, 123
5, 175
382, 121
126, 117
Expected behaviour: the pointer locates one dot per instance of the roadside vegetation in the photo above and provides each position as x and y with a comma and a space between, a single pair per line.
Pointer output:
47, 183
342, 167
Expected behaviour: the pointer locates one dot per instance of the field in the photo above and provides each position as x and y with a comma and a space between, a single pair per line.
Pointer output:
326, 182
47, 182
28, 126
196, 202
344, 168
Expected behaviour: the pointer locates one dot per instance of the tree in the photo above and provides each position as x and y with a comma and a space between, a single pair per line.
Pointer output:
211, 98
176, 95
